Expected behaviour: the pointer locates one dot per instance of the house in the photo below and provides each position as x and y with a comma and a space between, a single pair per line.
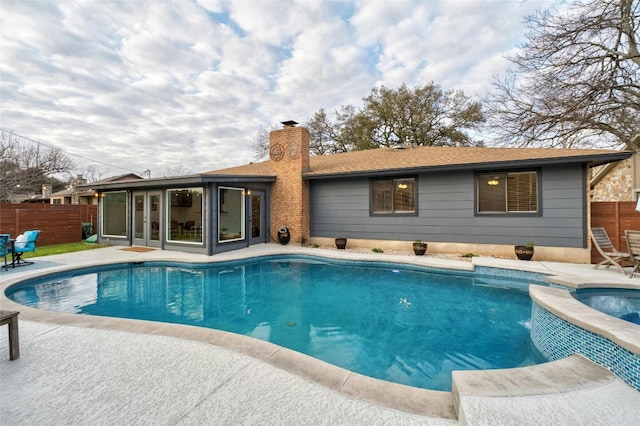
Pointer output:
459, 200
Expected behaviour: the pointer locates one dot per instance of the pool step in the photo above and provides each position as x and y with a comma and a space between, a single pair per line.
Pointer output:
559, 392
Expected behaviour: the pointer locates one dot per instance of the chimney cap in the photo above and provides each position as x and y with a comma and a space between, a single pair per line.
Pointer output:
289, 123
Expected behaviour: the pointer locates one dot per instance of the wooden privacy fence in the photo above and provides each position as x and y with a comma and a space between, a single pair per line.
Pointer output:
58, 223
615, 217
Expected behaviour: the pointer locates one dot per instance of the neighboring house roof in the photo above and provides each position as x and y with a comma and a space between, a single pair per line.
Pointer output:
119, 178
68, 193
84, 190
392, 160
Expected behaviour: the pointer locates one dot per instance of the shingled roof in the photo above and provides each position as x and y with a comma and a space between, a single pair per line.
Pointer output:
390, 160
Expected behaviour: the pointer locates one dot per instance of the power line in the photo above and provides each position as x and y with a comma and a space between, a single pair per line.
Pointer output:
68, 153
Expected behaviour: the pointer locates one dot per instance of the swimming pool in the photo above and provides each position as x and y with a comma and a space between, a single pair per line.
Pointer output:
404, 324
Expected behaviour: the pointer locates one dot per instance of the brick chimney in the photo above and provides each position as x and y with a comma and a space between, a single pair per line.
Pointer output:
289, 152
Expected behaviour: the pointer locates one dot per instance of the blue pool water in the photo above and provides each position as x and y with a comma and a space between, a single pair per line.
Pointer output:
620, 303
403, 324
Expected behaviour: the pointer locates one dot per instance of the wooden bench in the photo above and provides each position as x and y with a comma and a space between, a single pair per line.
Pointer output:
11, 318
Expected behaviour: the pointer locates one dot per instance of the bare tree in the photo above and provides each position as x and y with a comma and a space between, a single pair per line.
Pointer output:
577, 80
25, 165
261, 141
92, 173
176, 171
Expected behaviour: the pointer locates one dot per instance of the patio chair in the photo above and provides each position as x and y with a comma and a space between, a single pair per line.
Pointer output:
175, 228
4, 248
612, 257
188, 225
633, 243
25, 245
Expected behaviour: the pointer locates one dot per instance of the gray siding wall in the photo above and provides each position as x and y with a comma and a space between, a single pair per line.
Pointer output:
446, 212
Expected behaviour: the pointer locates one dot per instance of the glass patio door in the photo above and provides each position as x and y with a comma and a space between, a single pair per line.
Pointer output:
147, 219
257, 218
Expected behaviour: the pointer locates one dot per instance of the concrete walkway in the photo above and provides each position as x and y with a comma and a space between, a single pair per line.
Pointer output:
77, 369
78, 376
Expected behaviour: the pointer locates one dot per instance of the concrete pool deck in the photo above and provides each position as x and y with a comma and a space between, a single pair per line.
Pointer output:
78, 369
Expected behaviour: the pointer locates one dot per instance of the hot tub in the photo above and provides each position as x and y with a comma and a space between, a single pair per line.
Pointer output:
620, 303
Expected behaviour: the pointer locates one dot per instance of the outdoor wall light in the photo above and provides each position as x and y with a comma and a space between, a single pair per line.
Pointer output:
493, 182
402, 186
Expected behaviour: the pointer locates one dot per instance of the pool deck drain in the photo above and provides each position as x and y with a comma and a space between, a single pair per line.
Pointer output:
77, 369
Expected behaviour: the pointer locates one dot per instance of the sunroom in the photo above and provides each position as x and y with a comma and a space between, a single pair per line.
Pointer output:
200, 214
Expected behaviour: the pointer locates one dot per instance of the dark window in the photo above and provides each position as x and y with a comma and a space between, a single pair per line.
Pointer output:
184, 215
114, 214
393, 196
515, 192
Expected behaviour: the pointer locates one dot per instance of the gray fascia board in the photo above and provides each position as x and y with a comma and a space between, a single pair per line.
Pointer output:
592, 160
241, 178
178, 181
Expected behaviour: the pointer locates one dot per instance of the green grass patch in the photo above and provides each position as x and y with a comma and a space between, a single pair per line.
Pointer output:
61, 248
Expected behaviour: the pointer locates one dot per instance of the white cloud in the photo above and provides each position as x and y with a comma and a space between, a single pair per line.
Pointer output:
155, 85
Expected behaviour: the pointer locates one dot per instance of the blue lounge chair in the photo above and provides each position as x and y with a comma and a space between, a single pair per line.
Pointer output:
28, 245
4, 248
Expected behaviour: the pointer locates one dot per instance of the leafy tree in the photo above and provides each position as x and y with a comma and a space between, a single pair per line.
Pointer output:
576, 82
323, 137
350, 129
25, 166
424, 115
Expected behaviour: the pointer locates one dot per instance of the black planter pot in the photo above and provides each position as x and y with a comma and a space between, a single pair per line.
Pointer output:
419, 248
524, 252
284, 235
341, 243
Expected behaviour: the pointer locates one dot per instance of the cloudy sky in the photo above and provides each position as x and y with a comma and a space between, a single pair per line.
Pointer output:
163, 84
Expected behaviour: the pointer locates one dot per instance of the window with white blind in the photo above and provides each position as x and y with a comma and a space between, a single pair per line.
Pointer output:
512, 192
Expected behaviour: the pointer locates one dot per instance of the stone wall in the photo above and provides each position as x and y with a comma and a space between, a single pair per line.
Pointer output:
617, 185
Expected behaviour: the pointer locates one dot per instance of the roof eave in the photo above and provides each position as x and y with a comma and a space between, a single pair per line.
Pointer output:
178, 181
591, 160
